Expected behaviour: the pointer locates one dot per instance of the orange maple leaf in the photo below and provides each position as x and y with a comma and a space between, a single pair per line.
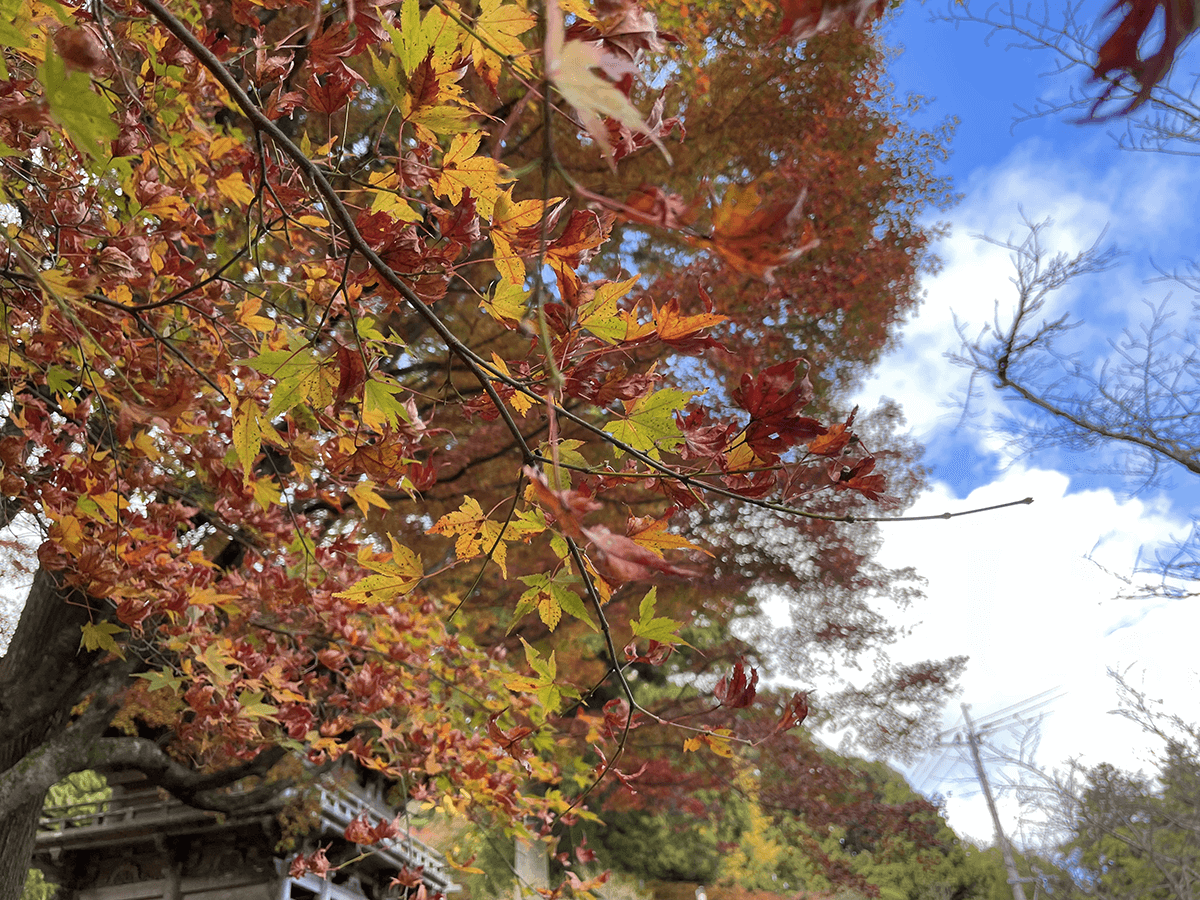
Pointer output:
683, 332
755, 231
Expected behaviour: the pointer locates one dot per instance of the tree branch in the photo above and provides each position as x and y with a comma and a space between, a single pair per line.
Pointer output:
337, 208
201, 790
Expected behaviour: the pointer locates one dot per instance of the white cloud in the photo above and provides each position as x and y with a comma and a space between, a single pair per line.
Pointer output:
1143, 199
1016, 591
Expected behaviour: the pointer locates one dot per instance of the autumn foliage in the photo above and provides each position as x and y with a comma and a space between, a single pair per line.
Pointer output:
363, 410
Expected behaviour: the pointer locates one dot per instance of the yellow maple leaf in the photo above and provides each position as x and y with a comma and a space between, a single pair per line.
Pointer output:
395, 575
474, 533
64, 285
388, 199
497, 30
266, 493
462, 169
672, 326
234, 188
520, 402
67, 531
509, 218
508, 302
365, 496
247, 313
653, 535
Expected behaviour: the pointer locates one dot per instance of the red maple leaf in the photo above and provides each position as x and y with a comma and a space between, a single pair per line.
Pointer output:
803, 19
859, 477
620, 559
773, 400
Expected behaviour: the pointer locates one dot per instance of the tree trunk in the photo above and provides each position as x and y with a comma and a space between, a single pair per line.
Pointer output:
17, 833
41, 678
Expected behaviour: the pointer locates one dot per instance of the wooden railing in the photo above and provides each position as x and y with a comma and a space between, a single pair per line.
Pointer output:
118, 813
339, 807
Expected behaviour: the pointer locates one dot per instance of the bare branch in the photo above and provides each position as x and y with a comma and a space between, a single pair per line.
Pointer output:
1135, 411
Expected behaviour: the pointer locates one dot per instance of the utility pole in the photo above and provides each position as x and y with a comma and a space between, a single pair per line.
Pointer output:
1014, 877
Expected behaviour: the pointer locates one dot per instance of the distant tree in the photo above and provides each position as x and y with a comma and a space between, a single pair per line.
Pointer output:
79, 794
1133, 410
791, 817
1116, 835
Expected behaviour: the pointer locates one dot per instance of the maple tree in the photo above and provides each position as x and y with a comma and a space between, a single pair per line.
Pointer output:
344, 428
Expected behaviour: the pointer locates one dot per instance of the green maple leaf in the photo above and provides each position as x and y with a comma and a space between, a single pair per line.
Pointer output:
88, 118
255, 707
551, 597
655, 628
410, 44
247, 437
299, 377
162, 679
649, 422
381, 406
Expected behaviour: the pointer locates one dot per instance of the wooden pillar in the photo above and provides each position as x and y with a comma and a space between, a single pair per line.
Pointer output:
532, 867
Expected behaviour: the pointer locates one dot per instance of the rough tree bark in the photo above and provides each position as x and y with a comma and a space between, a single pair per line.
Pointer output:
41, 676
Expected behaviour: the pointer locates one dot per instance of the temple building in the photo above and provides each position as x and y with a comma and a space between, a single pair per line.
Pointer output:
143, 844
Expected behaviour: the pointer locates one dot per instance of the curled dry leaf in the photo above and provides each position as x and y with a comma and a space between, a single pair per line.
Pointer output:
656, 654
651, 205
735, 690
625, 141
567, 507
624, 27
859, 477
316, 862
617, 717
510, 741
836, 439
626, 779
360, 831
794, 713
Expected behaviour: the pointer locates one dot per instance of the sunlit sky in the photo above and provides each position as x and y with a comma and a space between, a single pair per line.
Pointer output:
1024, 591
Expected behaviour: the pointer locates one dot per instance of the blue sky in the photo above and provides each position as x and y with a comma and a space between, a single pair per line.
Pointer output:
1025, 591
